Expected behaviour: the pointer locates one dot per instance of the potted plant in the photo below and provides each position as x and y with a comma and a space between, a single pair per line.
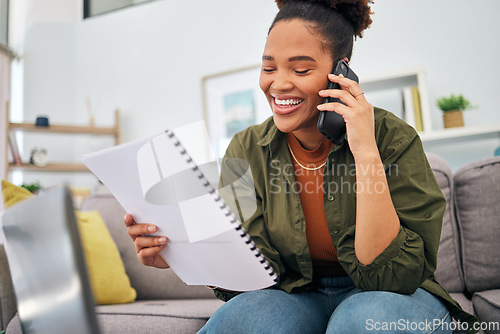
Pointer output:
34, 187
452, 108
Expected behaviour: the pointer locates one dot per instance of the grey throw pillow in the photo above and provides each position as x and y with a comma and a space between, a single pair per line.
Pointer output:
477, 193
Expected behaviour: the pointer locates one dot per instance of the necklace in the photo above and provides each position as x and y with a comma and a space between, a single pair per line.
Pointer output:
301, 165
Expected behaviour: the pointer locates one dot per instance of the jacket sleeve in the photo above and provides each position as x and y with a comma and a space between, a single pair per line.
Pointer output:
240, 193
411, 258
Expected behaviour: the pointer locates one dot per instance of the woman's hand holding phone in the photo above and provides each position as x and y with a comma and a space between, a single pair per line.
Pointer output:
356, 111
147, 247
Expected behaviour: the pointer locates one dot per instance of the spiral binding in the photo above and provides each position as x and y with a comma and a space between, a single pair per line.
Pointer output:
228, 213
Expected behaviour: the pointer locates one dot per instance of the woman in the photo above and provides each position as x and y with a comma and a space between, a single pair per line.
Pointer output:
353, 230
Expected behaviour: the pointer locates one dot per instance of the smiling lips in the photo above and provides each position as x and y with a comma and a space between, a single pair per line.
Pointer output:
286, 105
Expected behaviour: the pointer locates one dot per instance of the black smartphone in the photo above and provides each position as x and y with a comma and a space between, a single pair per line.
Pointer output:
331, 124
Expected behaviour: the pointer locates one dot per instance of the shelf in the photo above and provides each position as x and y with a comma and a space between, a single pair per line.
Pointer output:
63, 129
401, 79
57, 129
459, 134
391, 79
54, 167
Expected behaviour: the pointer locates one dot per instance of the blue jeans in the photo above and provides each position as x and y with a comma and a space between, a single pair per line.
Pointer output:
336, 306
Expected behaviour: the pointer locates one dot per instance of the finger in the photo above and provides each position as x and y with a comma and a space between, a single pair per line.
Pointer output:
343, 95
128, 219
140, 229
149, 252
346, 84
339, 108
145, 242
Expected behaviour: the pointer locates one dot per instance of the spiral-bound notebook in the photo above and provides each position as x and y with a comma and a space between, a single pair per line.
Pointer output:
157, 181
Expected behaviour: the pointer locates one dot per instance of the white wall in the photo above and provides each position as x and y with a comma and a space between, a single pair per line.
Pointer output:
149, 60
457, 44
25, 14
152, 57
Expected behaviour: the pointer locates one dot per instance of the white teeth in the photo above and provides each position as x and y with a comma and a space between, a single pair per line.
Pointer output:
287, 102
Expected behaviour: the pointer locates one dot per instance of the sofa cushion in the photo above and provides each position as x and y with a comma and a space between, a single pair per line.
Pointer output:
467, 306
477, 193
150, 283
487, 307
464, 302
449, 269
159, 316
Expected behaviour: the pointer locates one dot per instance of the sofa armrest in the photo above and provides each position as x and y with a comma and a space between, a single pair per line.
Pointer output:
7, 298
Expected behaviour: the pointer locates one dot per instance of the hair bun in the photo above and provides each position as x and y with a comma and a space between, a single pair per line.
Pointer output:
357, 12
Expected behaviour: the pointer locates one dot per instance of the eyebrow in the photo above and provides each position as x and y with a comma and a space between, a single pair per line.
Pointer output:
295, 58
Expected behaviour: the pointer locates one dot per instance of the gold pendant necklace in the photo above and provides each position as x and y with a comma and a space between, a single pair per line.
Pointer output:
301, 165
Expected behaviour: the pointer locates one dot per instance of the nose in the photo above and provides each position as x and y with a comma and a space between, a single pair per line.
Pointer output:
281, 82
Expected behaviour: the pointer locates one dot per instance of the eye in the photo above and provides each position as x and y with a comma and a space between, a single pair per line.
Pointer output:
302, 72
267, 69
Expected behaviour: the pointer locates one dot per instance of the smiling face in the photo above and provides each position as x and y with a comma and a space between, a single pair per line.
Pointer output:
294, 69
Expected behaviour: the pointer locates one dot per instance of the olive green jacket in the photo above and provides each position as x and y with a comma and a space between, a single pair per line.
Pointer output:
277, 225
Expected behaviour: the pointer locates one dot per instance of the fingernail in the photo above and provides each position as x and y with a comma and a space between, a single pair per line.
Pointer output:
162, 240
320, 107
151, 228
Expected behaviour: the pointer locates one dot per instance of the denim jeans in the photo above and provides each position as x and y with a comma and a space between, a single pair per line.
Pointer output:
336, 306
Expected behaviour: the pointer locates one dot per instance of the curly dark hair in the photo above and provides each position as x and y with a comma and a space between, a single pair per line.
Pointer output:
339, 22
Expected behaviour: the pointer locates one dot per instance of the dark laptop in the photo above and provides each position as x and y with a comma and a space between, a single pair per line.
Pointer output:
47, 265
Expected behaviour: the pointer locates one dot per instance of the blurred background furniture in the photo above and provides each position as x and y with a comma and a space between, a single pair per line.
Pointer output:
164, 303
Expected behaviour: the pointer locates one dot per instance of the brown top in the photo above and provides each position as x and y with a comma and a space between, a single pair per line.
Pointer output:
310, 187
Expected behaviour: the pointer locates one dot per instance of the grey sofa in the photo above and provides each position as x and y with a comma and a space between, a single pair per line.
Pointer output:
468, 257
468, 261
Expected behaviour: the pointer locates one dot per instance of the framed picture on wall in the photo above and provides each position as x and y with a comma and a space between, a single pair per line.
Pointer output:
233, 101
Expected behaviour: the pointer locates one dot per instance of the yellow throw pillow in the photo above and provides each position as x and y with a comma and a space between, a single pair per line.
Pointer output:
108, 279
105, 268
12, 194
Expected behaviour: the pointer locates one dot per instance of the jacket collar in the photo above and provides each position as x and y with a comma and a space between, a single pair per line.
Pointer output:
272, 138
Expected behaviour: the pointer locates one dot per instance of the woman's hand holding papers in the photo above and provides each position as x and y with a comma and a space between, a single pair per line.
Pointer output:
147, 247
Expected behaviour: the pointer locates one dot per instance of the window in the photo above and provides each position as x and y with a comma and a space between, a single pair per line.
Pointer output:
96, 7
